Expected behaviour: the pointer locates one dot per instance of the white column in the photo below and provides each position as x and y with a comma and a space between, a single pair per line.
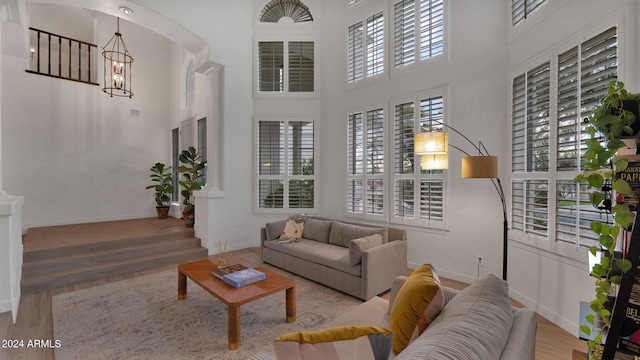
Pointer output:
10, 252
206, 199
10, 209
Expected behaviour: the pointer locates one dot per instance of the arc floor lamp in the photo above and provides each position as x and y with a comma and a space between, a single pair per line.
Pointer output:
434, 150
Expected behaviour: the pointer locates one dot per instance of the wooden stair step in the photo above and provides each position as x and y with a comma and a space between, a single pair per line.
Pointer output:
93, 247
74, 276
53, 264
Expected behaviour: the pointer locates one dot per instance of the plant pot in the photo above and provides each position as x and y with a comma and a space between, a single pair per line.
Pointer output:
163, 212
189, 219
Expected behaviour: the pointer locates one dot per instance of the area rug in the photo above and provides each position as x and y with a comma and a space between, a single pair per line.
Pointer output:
141, 318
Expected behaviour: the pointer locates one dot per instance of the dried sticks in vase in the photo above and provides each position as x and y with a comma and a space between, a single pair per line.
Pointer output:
222, 247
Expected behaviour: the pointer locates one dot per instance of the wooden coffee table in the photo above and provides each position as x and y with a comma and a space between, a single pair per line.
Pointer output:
200, 273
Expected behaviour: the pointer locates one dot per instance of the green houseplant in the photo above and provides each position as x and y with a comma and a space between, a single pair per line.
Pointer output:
609, 121
162, 179
192, 172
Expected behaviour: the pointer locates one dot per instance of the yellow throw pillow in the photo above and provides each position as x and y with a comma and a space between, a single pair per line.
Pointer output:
344, 342
417, 303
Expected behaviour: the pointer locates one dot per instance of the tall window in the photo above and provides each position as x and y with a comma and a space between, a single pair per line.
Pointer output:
286, 66
548, 143
202, 144
521, 9
365, 163
190, 85
175, 163
418, 194
285, 160
365, 48
418, 30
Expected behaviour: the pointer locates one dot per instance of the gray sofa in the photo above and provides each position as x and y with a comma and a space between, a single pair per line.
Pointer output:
477, 323
325, 254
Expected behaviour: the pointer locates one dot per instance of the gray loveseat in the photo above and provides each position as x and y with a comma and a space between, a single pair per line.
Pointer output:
325, 254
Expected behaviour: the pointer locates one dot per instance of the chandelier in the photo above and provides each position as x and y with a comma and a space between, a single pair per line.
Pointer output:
117, 66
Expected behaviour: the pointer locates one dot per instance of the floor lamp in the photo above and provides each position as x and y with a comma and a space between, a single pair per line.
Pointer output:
434, 150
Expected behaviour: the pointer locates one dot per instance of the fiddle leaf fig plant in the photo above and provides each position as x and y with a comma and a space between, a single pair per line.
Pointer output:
608, 122
162, 179
192, 173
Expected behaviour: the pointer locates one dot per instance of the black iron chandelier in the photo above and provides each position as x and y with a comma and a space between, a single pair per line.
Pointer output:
117, 66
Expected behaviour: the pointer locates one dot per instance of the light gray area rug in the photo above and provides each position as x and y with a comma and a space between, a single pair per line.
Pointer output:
141, 318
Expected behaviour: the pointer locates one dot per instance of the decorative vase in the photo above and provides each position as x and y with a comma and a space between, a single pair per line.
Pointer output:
163, 212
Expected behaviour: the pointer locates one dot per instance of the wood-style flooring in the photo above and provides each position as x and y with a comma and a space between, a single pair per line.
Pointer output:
35, 322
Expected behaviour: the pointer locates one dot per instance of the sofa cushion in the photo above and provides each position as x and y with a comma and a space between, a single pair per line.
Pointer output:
274, 229
346, 342
357, 246
475, 324
317, 230
336, 257
341, 234
418, 302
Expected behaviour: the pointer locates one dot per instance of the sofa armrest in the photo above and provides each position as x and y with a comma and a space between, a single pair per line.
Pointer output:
381, 264
521, 344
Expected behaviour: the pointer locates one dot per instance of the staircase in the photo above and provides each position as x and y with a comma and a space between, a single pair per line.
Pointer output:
59, 256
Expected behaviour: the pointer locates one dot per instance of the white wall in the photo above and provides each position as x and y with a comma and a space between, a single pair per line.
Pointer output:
551, 284
74, 153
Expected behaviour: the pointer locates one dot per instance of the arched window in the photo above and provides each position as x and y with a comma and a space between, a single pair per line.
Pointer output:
277, 9
190, 86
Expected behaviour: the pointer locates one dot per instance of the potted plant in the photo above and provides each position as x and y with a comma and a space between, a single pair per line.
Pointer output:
192, 172
609, 121
162, 179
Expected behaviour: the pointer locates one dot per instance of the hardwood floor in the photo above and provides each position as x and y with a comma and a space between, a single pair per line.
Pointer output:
34, 322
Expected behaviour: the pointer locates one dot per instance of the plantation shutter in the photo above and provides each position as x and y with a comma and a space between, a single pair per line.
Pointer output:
584, 74
530, 211
375, 162
569, 120
300, 164
375, 142
404, 196
301, 66
432, 182
355, 164
574, 214
405, 33
375, 45
520, 9
431, 28
599, 65
355, 53
518, 128
270, 164
270, 66
538, 91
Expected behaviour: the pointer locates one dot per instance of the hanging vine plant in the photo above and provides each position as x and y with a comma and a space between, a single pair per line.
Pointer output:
609, 121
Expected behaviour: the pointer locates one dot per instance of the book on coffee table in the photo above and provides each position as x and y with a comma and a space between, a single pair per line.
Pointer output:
220, 272
243, 277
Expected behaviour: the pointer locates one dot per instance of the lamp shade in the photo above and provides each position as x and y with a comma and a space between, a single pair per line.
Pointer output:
480, 167
431, 143
434, 161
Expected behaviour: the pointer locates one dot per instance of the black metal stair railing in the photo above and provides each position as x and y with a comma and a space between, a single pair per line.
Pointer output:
62, 57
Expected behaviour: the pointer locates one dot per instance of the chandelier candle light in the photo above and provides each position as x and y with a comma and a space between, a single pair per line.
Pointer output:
433, 147
117, 66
